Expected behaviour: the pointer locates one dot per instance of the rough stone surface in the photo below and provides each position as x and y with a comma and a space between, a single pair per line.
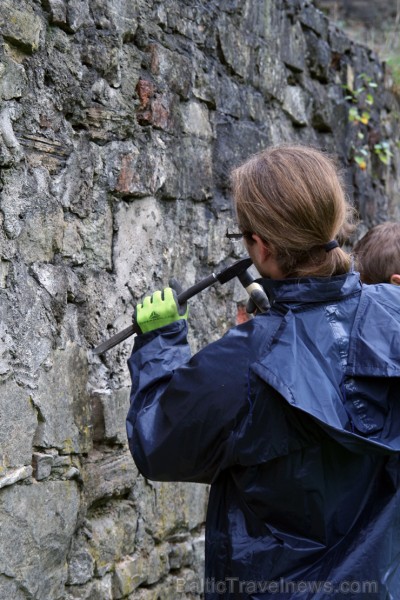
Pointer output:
20, 24
42, 519
62, 403
120, 121
13, 475
42, 464
18, 419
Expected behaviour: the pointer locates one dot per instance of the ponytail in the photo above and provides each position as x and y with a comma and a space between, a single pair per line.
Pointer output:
293, 198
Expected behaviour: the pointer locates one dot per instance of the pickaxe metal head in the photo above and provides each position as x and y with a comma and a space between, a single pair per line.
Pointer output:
234, 270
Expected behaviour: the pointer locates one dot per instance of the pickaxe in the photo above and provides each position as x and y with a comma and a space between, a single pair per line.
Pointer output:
238, 269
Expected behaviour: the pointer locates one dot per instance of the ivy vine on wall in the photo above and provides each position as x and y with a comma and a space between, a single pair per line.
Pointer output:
362, 100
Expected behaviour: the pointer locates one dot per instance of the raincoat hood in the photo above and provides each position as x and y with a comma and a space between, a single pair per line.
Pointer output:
355, 402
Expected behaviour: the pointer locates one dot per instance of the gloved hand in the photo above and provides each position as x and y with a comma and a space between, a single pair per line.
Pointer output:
159, 309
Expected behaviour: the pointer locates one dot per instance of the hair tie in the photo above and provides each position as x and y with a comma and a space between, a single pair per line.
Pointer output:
331, 245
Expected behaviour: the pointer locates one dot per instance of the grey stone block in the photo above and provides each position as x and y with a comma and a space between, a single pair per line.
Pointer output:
80, 567
109, 410
42, 517
63, 403
21, 25
107, 476
10, 476
128, 575
13, 78
17, 425
42, 464
296, 105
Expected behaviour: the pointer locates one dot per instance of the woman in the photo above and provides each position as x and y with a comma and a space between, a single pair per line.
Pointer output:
294, 416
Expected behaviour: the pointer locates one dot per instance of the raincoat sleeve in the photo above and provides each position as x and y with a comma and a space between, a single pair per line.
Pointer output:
184, 410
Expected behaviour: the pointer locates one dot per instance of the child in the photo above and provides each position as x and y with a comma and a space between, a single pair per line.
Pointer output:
377, 254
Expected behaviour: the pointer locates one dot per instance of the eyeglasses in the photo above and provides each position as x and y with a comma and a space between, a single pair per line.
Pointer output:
237, 235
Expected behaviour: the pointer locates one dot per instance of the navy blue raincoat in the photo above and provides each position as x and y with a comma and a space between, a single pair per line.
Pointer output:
294, 418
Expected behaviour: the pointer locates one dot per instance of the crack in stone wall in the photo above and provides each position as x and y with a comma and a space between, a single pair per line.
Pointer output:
120, 121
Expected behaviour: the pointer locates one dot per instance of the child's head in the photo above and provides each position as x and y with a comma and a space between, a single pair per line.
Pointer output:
377, 254
293, 198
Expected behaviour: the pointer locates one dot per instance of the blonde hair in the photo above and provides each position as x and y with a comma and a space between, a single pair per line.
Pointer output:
293, 198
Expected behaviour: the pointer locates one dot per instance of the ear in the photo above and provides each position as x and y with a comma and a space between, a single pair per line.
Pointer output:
262, 248
395, 279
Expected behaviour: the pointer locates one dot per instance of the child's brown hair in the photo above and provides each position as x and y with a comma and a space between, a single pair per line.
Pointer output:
377, 254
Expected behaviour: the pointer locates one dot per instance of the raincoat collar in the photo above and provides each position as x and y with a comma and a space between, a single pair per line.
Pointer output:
312, 289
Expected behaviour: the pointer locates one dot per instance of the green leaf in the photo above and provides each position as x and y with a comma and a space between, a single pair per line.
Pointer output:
353, 114
369, 99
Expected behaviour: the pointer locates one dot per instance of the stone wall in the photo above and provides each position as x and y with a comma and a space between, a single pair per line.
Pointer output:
374, 14
119, 123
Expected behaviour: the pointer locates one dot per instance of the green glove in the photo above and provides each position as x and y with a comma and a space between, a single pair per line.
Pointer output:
159, 309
